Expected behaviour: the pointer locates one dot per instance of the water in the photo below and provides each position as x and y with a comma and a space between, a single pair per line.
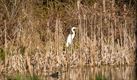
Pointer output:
85, 73
97, 73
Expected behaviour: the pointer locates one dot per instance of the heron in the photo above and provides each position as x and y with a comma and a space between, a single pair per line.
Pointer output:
70, 36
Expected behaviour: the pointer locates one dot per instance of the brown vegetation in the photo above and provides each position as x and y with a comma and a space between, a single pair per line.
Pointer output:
33, 34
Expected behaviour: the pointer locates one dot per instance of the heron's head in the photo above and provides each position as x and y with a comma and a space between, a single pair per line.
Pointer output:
73, 28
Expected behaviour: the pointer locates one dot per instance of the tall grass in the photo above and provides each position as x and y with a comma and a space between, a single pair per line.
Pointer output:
33, 34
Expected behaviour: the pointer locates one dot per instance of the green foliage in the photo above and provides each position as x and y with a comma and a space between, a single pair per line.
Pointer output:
22, 50
2, 54
23, 77
100, 77
35, 77
88, 2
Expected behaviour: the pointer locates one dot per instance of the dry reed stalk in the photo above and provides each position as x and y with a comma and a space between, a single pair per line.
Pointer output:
5, 45
79, 26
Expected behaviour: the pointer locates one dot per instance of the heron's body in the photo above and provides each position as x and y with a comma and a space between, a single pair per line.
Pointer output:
70, 37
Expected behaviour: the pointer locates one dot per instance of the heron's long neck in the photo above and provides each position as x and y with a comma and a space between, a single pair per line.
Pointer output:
73, 32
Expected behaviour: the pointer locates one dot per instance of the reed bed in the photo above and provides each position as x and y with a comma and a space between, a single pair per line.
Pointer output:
33, 35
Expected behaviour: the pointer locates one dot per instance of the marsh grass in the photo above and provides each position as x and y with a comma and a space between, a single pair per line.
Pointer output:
33, 34
22, 77
100, 77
